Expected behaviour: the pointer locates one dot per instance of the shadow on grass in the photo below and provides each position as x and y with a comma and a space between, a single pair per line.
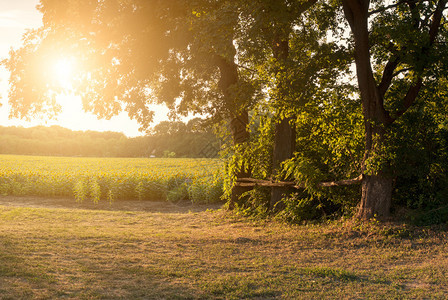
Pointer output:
18, 277
25, 275
118, 205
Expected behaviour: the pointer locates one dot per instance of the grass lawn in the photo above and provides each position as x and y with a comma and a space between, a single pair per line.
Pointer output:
109, 252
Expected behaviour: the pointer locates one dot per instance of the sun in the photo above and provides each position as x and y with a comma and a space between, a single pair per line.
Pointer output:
63, 71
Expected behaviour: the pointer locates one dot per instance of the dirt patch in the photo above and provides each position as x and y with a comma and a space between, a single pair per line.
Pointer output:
119, 205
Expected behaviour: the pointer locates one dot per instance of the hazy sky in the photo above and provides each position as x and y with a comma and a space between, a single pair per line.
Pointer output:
16, 16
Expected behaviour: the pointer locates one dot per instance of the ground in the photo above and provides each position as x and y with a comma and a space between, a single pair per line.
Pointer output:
128, 205
57, 248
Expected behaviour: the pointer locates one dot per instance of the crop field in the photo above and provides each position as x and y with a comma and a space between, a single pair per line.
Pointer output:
108, 179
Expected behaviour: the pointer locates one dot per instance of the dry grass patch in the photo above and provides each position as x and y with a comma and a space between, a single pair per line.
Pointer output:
48, 253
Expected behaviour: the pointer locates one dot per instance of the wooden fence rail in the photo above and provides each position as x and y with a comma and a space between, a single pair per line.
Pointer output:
251, 182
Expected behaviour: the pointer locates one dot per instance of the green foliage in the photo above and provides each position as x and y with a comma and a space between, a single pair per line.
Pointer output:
110, 196
329, 143
178, 193
256, 203
168, 154
430, 217
328, 203
236, 161
300, 208
95, 190
205, 190
302, 170
140, 190
79, 191
421, 163
86, 188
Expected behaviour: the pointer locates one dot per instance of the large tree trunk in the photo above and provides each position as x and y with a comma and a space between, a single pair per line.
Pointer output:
239, 119
240, 135
285, 134
284, 146
377, 187
376, 195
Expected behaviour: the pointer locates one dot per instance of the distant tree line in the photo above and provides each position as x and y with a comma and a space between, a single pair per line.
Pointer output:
167, 139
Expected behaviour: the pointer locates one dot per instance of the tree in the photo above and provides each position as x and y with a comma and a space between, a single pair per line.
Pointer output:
131, 53
398, 48
274, 20
285, 41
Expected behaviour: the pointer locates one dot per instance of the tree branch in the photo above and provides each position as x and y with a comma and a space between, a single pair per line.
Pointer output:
410, 97
305, 6
391, 6
401, 71
246, 68
436, 20
388, 75
413, 91
251, 182
351, 8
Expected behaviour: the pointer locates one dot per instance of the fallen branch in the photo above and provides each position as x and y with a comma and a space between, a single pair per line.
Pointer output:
341, 182
251, 182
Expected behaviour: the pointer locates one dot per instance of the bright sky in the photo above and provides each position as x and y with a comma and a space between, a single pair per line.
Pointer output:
17, 16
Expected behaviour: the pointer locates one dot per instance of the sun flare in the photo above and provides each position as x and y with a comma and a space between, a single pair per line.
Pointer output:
63, 71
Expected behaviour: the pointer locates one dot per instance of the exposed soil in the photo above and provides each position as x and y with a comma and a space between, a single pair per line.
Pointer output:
121, 205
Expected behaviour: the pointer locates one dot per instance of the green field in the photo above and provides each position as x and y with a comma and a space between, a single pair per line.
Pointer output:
108, 179
189, 253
